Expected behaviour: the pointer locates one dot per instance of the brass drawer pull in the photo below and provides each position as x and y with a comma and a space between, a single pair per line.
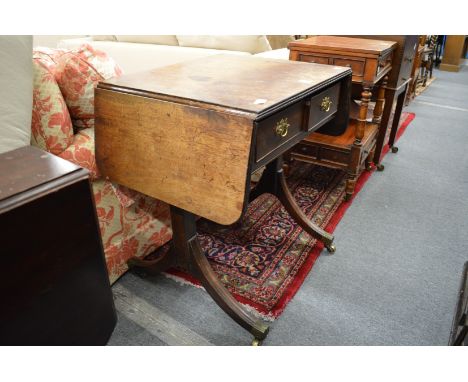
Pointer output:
326, 104
282, 127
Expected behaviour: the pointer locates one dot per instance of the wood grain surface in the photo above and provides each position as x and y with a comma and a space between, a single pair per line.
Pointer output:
250, 84
352, 45
190, 157
184, 133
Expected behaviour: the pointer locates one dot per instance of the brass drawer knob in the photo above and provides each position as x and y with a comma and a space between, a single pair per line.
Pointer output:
326, 104
282, 127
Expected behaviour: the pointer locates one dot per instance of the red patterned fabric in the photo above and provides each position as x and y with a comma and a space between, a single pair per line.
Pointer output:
129, 230
77, 73
131, 224
81, 152
51, 126
48, 57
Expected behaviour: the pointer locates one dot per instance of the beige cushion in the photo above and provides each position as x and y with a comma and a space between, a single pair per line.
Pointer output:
16, 84
109, 37
241, 43
155, 39
282, 54
280, 41
133, 57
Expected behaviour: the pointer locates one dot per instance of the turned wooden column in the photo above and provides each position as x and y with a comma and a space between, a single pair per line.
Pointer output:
353, 168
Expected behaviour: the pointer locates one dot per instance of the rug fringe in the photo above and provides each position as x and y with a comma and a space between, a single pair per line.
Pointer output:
181, 280
265, 317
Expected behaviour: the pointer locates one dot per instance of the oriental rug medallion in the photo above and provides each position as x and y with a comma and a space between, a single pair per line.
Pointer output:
264, 258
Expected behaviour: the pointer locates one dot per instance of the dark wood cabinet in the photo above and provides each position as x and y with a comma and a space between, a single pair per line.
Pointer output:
54, 284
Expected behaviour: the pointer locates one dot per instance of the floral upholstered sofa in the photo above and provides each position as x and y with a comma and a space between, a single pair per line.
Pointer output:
131, 224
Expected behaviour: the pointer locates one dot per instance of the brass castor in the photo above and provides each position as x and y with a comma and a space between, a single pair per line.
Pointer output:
331, 248
380, 167
368, 167
394, 149
256, 342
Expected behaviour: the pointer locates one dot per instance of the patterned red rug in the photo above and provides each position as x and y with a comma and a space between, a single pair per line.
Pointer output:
264, 260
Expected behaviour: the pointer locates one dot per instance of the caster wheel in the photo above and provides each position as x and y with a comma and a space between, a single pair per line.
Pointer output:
331, 248
394, 150
369, 167
380, 167
256, 342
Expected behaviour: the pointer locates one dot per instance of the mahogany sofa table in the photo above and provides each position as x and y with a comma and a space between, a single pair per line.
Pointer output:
191, 135
371, 62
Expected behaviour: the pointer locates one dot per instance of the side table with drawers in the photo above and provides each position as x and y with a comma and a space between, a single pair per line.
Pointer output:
398, 86
371, 62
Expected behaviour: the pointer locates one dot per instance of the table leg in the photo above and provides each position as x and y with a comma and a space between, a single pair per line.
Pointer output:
186, 252
356, 148
377, 118
396, 119
389, 98
273, 181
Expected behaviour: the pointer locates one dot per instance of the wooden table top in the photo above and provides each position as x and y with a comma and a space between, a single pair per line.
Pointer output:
344, 44
245, 83
29, 167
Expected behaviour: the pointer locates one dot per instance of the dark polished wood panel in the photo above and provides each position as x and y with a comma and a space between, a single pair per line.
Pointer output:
54, 282
26, 168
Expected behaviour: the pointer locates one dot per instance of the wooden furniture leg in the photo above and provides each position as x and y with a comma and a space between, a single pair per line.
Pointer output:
353, 168
377, 119
186, 253
387, 112
396, 119
273, 181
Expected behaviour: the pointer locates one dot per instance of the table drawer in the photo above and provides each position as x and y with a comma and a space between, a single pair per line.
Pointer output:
303, 116
278, 129
322, 106
357, 66
312, 58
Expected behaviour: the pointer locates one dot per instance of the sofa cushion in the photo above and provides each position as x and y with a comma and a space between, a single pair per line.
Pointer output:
48, 57
280, 41
104, 37
154, 39
134, 58
77, 73
51, 126
282, 54
81, 152
241, 43
16, 83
